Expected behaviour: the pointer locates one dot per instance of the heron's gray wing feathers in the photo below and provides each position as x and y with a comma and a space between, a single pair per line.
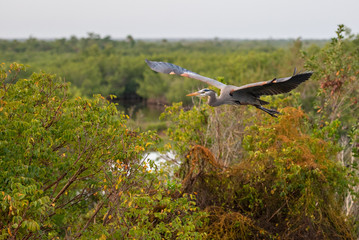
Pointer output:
169, 68
275, 86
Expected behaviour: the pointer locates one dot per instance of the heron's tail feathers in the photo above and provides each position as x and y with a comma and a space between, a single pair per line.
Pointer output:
271, 112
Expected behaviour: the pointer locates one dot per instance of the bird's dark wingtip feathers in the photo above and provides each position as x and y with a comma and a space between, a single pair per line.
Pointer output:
163, 67
308, 74
304, 76
303, 73
151, 64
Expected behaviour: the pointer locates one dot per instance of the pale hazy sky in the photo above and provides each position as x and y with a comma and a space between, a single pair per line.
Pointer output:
177, 19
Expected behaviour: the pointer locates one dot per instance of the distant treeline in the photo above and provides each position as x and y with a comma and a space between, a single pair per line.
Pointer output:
96, 64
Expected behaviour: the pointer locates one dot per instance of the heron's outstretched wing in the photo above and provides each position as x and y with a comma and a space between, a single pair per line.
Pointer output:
169, 68
273, 87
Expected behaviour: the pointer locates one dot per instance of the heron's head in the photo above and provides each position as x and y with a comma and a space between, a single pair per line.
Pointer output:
202, 93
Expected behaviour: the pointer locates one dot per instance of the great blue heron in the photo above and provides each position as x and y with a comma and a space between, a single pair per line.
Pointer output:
245, 95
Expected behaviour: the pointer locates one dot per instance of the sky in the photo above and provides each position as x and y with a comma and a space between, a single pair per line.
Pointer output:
167, 19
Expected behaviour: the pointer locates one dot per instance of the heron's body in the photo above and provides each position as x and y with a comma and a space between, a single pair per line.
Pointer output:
245, 95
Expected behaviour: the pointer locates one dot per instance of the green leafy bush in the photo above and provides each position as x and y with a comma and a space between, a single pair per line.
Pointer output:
71, 168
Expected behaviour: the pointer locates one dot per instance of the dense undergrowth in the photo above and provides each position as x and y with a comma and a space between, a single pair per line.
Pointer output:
288, 185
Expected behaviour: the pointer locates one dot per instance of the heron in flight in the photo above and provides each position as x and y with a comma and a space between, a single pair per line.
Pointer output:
245, 95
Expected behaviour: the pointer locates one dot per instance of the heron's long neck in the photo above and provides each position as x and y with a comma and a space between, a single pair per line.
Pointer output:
213, 100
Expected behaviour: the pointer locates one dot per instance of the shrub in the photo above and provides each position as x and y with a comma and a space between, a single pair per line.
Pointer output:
71, 168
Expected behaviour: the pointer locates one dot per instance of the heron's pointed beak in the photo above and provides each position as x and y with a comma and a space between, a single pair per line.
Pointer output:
193, 94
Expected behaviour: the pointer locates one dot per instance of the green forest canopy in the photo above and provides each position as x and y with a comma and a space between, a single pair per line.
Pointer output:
96, 65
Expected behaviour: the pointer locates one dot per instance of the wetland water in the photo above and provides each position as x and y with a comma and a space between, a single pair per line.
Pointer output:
141, 112
146, 117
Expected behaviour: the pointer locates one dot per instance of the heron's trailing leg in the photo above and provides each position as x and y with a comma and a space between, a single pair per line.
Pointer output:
269, 111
